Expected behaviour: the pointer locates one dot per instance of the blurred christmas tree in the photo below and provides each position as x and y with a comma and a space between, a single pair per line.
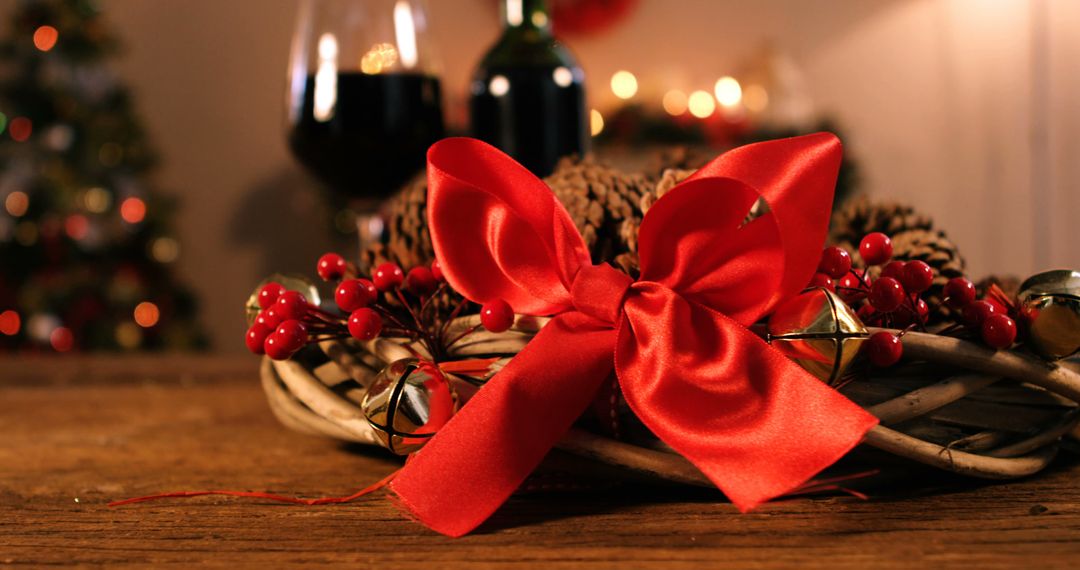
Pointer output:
86, 246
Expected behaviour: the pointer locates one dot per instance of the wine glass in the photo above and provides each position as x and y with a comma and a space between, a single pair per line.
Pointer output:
364, 99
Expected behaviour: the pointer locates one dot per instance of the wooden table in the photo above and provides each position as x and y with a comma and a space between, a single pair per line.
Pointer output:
78, 432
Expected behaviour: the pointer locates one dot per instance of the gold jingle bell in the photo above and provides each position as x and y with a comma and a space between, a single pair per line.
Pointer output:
1050, 306
817, 330
407, 403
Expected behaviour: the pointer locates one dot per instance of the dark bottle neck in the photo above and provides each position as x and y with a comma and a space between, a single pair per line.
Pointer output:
526, 15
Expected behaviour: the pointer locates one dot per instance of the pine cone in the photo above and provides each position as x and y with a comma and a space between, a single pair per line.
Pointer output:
934, 248
603, 202
860, 216
405, 240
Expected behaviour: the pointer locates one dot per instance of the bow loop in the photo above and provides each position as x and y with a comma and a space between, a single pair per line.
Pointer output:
498, 231
598, 291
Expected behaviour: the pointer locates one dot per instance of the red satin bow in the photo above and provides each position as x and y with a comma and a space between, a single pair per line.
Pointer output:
755, 423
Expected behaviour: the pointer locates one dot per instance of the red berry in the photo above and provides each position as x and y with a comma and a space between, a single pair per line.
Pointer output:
496, 316
269, 318
420, 281
365, 324
255, 337
875, 248
269, 293
959, 291
975, 314
388, 276
904, 316
294, 334
894, 269
917, 277
291, 305
884, 349
331, 267
866, 313
835, 262
849, 286
436, 270
276, 347
999, 331
886, 294
822, 280
353, 294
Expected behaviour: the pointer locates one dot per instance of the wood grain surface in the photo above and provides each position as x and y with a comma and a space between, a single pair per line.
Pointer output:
78, 432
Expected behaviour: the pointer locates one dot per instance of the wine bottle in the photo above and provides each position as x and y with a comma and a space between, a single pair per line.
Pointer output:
528, 93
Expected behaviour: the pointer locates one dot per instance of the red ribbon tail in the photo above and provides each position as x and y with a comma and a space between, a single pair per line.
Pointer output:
483, 455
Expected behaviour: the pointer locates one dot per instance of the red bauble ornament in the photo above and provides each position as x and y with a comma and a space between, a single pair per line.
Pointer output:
886, 294
835, 262
496, 316
388, 276
420, 281
436, 270
353, 294
975, 313
331, 267
884, 349
365, 324
269, 293
875, 248
959, 292
255, 337
917, 276
291, 305
294, 334
999, 331
822, 280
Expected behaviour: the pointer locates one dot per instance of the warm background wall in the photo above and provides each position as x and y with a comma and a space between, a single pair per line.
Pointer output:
963, 106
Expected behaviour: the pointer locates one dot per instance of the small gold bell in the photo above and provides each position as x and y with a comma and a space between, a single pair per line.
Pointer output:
818, 331
291, 282
1050, 306
407, 403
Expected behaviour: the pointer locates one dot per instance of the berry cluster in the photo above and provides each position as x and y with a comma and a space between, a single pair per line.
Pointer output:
417, 305
894, 298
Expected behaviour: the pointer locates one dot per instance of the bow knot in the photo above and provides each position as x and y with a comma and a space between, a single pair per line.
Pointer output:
599, 290
752, 421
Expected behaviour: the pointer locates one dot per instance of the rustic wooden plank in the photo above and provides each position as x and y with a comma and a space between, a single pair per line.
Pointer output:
79, 432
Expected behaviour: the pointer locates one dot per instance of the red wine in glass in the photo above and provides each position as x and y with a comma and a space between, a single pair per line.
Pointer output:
377, 135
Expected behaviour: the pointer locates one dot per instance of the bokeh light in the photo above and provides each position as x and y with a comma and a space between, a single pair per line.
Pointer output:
10, 323
133, 210
128, 336
61, 339
147, 314
624, 84
674, 102
562, 76
3, 122
701, 104
45, 38
20, 129
76, 226
17, 203
596, 122
165, 250
97, 200
728, 91
755, 98
499, 85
